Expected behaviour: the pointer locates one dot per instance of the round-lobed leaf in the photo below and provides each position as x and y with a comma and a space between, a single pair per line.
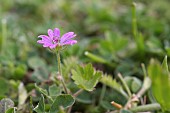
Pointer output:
64, 100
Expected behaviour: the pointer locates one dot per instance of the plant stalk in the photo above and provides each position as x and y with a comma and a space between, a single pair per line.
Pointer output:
102, 93
125, 85
144, 108
4, 35
60, 71
134, 21
78, 92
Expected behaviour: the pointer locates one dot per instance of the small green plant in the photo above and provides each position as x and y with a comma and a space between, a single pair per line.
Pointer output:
85, 77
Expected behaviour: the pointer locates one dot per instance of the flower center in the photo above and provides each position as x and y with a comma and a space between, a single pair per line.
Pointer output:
56, 40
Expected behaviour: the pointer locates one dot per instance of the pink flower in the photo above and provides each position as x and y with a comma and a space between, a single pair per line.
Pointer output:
53, 39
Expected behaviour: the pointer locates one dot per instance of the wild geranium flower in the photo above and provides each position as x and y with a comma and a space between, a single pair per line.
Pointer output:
54, 40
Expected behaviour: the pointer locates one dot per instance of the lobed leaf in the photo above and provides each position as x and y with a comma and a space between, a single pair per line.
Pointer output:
64, 100
86, 77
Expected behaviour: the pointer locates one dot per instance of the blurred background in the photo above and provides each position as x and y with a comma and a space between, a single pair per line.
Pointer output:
104, 28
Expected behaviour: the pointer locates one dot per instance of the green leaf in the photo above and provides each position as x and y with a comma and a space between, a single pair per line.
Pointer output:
11, 110
154, 46
4, 90
109, 81
111, 95
165, 64
54, 90
84, 97
160, 83
44, 92
20, 71
36, 62
105, 104
136, 85
68, 64
40, 108
95, 57
63, 100
86, 77
40, 74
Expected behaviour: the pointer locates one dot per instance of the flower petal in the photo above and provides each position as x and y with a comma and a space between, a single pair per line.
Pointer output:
40, 41
67, 36
45, 38
56, 33
70, 42
50, 33
53, 46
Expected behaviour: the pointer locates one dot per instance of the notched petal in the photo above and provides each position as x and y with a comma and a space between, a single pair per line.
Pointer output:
57, 32
70, 42
50, 33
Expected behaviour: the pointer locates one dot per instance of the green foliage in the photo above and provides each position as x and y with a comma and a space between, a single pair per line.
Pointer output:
40, 74
4, 90
54, 91
20, 71
86, 77
40, 108
11, 110
63, 100
84, 97
113, 45
36, 62
160, 82
44, 92
95, 57
117, 40
133, 83
109, 81
69, 64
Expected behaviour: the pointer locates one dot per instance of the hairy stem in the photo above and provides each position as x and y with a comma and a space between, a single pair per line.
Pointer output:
144, 108
77, 93
60, 72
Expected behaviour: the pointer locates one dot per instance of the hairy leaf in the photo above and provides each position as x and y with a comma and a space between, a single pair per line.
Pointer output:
109, 81
86, 77
63, 100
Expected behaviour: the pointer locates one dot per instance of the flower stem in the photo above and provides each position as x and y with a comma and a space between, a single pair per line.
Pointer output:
78, 92
60, 72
